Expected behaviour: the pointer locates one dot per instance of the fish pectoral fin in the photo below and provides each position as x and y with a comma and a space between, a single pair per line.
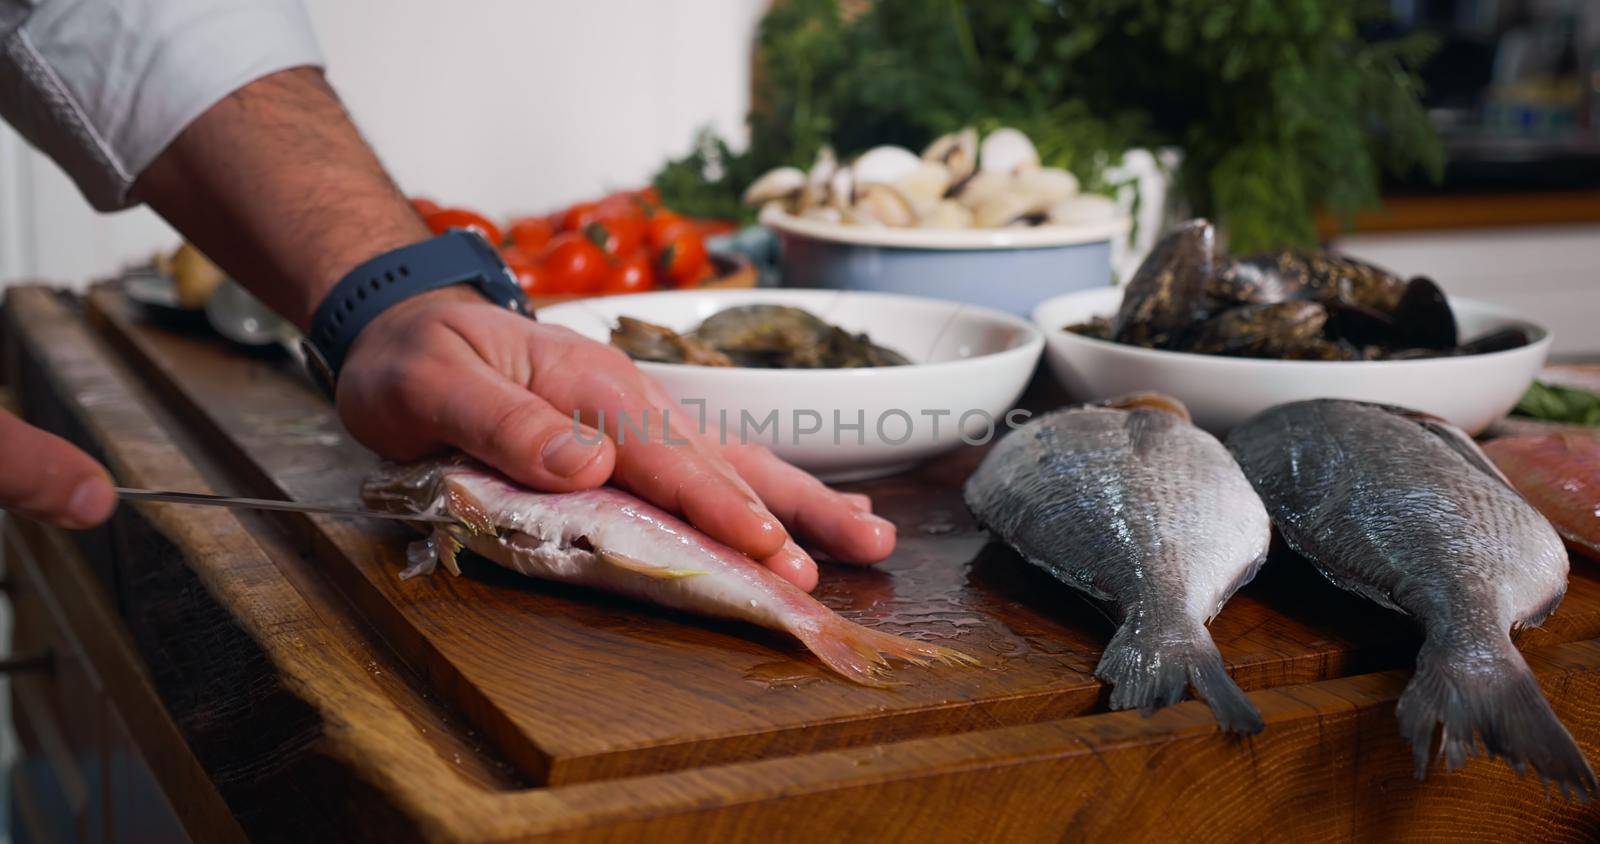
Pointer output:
447, 544
637, 566
460, 504
1454, 437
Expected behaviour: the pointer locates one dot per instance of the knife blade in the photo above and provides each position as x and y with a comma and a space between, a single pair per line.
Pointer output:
204, 499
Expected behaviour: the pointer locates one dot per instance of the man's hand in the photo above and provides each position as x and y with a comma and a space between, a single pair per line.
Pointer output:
450, 369
44, 477
276, 186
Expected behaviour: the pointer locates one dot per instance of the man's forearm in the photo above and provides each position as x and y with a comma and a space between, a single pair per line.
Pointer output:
275, 184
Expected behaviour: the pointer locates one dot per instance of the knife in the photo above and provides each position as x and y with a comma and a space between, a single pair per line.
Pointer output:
168, 497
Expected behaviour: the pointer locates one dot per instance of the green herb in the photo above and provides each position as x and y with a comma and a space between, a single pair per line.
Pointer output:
1282, 107
1554, 403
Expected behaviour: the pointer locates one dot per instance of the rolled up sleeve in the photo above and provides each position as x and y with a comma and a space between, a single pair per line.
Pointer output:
103, 86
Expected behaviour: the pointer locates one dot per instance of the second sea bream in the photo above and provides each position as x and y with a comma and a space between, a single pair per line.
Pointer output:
1404, 509
1134, 505
608, 540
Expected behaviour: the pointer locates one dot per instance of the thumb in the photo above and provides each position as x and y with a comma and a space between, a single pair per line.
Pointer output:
506, 426
43, 476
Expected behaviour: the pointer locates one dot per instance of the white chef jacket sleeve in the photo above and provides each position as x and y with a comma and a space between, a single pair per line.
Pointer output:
103, 86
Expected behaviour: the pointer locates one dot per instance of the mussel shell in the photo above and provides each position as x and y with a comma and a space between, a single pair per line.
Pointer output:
1498, 340
1361, 325
1260, 330
1260, 280
1167, 295
1424, 318
1416, 354
1097, 327
1318, 348
1356, 282
1315, 276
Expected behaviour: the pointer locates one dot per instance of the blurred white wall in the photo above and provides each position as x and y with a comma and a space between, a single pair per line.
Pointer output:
502, 105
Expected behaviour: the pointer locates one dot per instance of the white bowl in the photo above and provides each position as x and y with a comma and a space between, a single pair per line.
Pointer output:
970, 364
1221, 392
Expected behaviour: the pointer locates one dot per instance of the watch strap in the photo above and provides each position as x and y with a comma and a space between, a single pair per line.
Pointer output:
455, 257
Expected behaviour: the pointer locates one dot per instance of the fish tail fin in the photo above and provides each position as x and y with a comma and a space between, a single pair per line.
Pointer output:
1494, 697
1150, 666
862, 654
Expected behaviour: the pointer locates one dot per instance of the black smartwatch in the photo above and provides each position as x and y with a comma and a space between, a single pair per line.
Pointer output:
456, 257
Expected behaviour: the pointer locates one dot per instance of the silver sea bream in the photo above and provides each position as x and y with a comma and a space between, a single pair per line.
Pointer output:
1137, 507
1404, 509
608, 540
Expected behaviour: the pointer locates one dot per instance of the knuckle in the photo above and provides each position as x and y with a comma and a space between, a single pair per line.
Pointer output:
518, 429
557, 334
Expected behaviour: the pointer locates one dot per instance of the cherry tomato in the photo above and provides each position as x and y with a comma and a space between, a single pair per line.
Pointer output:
530, 234
683, 261
620, 204
461, 218
630, 275
578, 216
535, 280
620, 236
575, 263
425, 207
663, 227
514, 255
630, 202
531, 275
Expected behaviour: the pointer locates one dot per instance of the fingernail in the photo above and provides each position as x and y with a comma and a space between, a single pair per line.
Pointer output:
793, 565
866, 517
90, 504
565, 456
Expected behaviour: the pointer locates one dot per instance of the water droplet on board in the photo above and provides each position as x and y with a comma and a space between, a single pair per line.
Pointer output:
784, 674
937, 523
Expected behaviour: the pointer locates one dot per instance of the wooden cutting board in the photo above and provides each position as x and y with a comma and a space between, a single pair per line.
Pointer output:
576, 700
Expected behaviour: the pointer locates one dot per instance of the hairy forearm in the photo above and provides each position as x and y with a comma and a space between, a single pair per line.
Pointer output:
275, 184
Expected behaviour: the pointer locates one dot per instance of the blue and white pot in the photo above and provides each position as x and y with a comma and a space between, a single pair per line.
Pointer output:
1011, 269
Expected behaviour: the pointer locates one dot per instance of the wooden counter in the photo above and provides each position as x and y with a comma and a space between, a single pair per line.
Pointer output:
282, 683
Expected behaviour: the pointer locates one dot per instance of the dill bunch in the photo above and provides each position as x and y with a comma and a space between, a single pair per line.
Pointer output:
1283, 107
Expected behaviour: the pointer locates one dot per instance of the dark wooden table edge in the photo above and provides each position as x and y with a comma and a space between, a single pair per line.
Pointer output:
79, 604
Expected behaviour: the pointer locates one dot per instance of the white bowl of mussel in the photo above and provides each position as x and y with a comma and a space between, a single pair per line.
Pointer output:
1231, 337
972, 218
847, 385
